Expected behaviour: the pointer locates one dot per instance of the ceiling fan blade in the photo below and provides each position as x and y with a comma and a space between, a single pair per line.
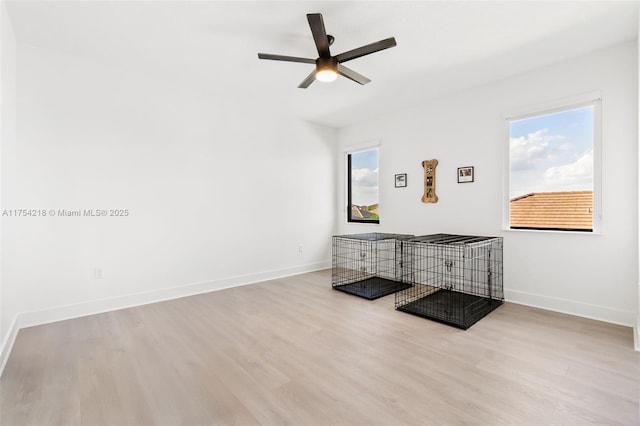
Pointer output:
366, 50
316, 24
307, 81
285, 58
352, 75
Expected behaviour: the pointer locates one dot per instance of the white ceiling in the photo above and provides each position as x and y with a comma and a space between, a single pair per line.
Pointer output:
443, 47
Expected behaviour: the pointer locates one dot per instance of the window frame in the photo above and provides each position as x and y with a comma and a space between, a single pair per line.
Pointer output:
347, 156
588, 99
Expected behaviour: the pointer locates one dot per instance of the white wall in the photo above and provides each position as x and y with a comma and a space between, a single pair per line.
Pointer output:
589, 275
7, 150
220, 191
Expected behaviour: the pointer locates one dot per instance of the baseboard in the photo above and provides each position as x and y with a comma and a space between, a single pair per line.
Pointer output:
7, 344
586, 310
60, 313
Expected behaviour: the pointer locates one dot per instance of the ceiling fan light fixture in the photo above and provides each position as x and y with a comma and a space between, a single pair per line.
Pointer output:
326, 75
326, 69
328, 66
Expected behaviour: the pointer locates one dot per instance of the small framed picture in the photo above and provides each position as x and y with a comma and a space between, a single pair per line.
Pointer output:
401, 180
465, 174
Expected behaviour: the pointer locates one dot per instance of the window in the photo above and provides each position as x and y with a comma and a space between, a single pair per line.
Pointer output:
553, 169
362, 186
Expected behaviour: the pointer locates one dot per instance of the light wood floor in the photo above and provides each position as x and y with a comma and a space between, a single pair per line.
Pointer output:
294, 351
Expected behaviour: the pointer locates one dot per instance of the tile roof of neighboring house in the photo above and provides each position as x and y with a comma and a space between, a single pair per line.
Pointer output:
553, 210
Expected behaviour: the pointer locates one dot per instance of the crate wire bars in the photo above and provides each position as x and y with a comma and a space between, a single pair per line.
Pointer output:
457, 279
370, 265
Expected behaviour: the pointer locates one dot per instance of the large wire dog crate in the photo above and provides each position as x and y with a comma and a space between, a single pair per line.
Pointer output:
457, 279
370, 265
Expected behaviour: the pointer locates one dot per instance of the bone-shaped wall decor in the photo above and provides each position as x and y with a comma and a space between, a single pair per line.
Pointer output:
429, 195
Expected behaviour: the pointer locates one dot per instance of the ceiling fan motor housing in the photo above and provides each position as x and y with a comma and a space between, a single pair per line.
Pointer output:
330, 63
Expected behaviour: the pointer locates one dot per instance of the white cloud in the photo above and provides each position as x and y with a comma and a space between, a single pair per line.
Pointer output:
364, 189
572, 176
542, 162
527, 151
365, 177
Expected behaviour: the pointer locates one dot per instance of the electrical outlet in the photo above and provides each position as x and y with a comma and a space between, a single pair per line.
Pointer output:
97, 273
299, 248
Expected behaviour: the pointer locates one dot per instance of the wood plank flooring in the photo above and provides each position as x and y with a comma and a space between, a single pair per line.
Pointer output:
295, 352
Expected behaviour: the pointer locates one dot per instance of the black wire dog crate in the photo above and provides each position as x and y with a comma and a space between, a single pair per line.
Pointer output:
370, 265
457, 279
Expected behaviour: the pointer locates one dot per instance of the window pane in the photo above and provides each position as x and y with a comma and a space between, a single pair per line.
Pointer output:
363, 186
551, 171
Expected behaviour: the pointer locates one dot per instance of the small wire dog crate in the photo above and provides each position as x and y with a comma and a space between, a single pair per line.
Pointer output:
370, 265
457, 279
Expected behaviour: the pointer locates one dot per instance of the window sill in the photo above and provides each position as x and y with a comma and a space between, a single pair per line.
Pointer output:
551, 231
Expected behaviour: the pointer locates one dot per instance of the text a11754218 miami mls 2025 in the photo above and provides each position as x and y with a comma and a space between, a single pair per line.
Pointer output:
65, 213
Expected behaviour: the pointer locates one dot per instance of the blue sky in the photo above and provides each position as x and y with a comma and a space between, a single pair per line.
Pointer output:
365, 159
552, 152
364, 173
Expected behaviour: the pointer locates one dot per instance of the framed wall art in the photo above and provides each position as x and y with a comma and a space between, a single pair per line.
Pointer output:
401, 180
465, 174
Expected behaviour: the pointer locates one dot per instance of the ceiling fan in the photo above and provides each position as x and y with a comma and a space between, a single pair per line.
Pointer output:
327, 66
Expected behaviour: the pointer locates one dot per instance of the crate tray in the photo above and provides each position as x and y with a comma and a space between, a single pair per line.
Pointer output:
372, 288
451, 307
